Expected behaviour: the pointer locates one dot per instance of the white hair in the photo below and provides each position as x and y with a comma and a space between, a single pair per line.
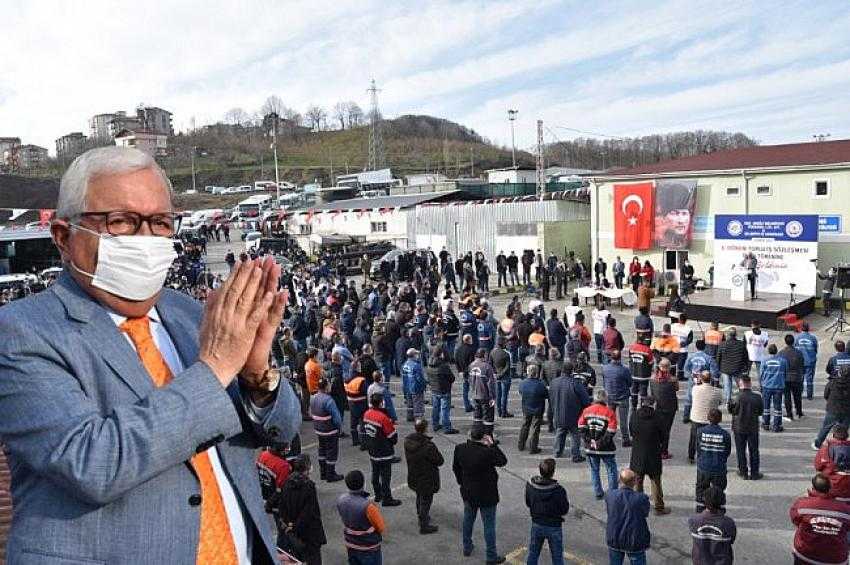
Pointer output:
73, 190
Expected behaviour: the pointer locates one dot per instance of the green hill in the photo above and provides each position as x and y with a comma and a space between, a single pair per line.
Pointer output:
229, 155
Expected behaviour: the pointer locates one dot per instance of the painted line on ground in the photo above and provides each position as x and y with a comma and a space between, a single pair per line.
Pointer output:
515, 557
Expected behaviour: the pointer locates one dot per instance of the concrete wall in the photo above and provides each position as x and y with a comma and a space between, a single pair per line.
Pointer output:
792, 192
491, 227
555, 237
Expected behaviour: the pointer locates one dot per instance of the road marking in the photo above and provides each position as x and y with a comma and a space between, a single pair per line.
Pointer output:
515, 557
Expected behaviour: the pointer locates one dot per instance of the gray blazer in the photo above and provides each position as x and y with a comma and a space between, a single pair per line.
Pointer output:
99, 455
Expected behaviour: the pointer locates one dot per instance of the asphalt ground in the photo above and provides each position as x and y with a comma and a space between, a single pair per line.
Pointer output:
760, 508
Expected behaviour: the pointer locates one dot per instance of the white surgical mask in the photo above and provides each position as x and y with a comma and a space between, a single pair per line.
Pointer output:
133, 267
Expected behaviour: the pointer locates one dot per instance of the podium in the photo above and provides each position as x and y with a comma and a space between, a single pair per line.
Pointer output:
738, 284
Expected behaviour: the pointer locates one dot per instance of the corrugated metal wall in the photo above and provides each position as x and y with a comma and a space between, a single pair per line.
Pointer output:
471, 226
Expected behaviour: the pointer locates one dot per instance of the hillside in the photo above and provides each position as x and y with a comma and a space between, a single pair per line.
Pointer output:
412, 144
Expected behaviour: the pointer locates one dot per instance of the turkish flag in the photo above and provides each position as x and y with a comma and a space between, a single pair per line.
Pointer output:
633, 213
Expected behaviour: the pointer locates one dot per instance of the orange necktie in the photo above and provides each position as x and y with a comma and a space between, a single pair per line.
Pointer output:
215, 545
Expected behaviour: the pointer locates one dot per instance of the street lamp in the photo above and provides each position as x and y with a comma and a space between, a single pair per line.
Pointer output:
193, 168
511, 117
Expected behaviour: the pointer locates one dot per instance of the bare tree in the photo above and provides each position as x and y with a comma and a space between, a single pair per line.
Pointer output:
355, 114
316, 116
292, 116
341, 113
237, 117
272, 105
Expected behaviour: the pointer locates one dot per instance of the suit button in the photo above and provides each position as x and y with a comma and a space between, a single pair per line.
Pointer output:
195, 500
219, 438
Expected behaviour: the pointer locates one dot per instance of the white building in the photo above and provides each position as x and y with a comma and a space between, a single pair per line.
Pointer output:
31, 156
511, 175
149, 142
365, 219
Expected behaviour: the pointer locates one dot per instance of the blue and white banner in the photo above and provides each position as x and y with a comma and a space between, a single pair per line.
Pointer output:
830, 223
777, 228
783, 244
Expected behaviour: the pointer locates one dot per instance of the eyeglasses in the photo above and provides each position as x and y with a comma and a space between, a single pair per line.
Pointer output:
119, 222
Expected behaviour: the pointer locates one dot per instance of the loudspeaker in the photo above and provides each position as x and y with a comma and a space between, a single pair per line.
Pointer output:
842, 276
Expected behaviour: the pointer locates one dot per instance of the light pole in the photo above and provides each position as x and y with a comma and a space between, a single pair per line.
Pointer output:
276, 172
193, 168
511, 117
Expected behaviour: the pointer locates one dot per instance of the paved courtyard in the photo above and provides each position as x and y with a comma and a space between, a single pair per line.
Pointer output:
760, 508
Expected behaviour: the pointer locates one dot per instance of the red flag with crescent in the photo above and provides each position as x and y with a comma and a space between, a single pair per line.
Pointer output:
633, 213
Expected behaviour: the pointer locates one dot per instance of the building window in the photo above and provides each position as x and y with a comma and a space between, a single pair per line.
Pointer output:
305, 229
733, 191
379, 227
820, 188
763, 190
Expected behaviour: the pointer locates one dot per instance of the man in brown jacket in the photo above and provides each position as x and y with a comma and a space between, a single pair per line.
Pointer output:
645, 295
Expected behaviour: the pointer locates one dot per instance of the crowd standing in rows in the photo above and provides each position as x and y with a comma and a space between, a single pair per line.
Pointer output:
341, 347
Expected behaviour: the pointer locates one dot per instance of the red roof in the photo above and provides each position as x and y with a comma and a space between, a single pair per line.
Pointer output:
789, 155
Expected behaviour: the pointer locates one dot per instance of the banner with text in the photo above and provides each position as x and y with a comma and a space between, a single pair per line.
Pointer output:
783, 245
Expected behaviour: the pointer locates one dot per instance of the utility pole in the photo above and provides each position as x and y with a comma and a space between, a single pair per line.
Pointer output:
512, 117
276, 171
471, 163
376, 142
541, 180
195, 188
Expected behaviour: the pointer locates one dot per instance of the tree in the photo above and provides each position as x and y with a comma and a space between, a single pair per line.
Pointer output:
316, 116
237, 117
355, 114
341, 114
272, 105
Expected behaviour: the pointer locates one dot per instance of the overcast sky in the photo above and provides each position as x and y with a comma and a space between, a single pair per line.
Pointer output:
776, 71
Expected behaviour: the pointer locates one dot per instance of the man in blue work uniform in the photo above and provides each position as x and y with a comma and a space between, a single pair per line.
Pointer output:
468, 324
772, 373
696, 363
807, 344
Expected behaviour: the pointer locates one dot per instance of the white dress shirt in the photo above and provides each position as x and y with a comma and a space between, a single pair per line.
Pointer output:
239, 526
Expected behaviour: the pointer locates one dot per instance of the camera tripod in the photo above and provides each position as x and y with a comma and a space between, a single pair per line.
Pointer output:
839, 324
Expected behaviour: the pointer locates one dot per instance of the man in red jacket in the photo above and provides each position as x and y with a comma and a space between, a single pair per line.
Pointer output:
822, 526
274, 469
833, 460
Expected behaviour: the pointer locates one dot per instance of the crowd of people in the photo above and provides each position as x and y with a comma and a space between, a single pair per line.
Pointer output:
341, 346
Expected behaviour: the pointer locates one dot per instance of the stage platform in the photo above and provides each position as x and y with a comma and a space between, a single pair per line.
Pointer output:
714, 305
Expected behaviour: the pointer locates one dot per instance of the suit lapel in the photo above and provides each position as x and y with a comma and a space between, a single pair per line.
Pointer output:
99, 329
118, 354
181, 329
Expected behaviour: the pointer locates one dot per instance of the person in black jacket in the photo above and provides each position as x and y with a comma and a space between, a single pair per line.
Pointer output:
648, 439
423, 472
713, 531
440, 379
556, 332
746, 408
548, 504
299, 517
793, 393
663, 387
732, 361
474, 466
464, 356
837, 395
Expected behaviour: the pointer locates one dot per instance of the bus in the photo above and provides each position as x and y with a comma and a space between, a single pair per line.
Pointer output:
253, 206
